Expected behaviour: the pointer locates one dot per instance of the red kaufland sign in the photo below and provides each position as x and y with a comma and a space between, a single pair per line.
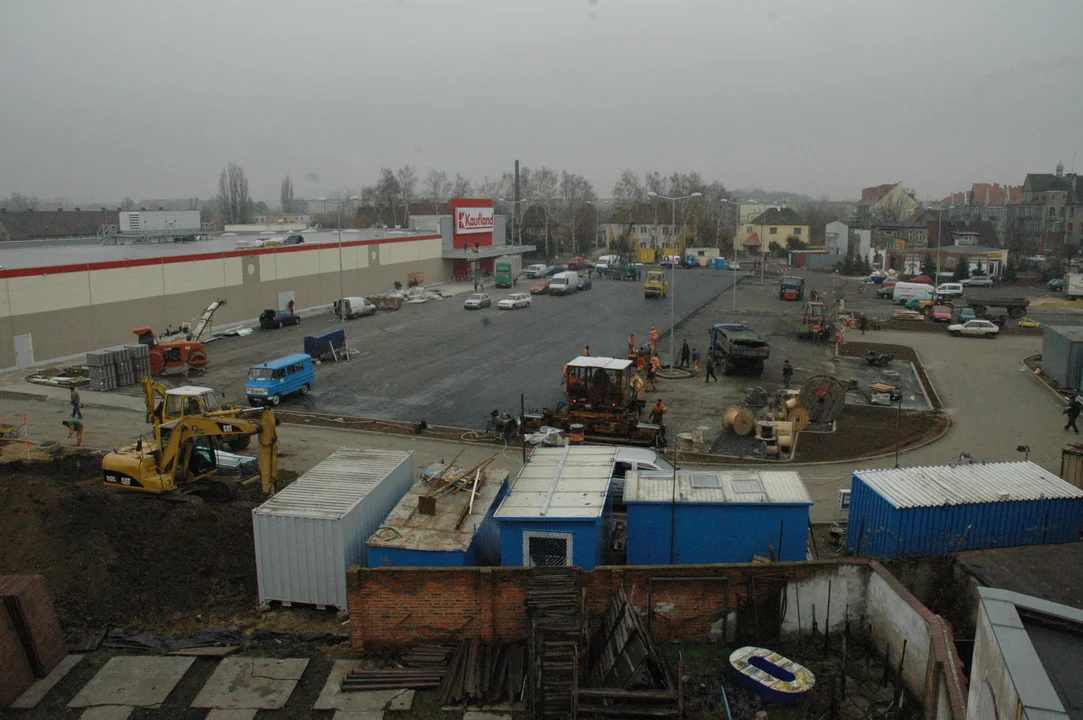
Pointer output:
472, 220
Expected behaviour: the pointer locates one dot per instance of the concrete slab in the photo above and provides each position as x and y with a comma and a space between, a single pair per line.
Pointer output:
234, 714
133, 681
332, 697
41, 687
261, 683
364, 715
107, 712
474, 715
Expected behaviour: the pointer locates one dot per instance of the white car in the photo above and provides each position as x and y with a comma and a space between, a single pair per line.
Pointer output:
734, 266
978, 281
477, 301
977, 328
515, 300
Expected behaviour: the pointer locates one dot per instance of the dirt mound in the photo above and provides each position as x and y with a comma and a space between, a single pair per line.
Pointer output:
121, 558
864, 430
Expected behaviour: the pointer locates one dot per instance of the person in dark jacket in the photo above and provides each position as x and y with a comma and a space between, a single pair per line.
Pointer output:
76, 404
1075, 406
710, 368
787, 373
686, 354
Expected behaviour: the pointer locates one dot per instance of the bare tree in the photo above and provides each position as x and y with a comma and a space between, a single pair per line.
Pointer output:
234, 202
127, 203
286, 195
384, 196
462, 187
437, 189
17, 202
629, 190
407, 178
575, 192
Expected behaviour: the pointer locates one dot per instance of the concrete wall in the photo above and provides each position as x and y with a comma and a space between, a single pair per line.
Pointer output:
894, 621
988, 666
69, 310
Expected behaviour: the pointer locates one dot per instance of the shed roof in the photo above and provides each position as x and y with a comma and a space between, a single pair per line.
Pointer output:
408, 529
1071, 332
714, 487
335, 485
568, 482
941, 485
604, 363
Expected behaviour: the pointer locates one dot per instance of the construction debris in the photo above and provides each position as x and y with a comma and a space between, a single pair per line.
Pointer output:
485, 673
425, 666
68, 377
554, 614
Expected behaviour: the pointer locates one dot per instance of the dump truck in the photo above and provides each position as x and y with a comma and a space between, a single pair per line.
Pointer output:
738, 347
791, 288
656, 285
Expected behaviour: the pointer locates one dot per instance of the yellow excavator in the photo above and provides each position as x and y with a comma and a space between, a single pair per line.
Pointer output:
165, 405
182, 455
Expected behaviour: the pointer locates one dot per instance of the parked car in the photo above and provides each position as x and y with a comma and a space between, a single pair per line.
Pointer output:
940, 313
1028, 323
949, 291
978, 281
294, 239
577, 262
354, 307
584, 283
513, 301
478, 301
734, 266
887, 289
553, 270
269, 382
272, 319
976, 328
540, 288
966, 314
535, 271
1056, 285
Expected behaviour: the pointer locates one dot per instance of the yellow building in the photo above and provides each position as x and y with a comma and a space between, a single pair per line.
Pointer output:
776, 225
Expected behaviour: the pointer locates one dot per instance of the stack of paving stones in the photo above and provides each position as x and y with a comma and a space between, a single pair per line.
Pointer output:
119, 367
31, 642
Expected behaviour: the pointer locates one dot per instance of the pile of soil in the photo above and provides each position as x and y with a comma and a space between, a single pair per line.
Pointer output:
126, 559
863, 430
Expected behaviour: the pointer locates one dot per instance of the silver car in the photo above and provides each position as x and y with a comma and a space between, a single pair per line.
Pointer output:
478, 301
513, 301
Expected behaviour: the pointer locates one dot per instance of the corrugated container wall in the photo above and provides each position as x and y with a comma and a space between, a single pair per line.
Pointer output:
1071, 465
307, 535
980, 506
1062, 354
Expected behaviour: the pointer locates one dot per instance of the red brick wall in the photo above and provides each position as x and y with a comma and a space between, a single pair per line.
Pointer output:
15, 672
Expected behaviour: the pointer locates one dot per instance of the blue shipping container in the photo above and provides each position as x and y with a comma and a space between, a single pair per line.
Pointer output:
319, 344
928, 511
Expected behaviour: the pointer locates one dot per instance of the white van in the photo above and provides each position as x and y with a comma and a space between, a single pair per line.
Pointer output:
353, 307
949, 291
535, 271
564, 283
605, 261
905, 291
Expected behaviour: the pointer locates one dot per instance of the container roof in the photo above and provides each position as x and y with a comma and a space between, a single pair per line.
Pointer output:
336, 485
967, 484
715, 487
407, 529
1072, 332
561, 483
604, 363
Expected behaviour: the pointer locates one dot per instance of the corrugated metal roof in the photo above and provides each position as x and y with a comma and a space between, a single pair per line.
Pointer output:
407, 528
335, 485
578, 492
605, 363
1071, 332
730, 486
967, 484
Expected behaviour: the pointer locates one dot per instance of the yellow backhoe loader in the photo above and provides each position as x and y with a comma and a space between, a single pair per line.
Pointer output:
166, 405
182, 455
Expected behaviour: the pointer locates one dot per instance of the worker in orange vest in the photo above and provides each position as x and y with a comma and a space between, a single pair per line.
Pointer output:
658, 411
654, 339
631, 344
656, 363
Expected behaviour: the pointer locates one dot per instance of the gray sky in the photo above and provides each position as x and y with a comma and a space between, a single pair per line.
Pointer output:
104, 99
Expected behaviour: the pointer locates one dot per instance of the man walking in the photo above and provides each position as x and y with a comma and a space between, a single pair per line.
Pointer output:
787, 373
76, 404
631, 344
657, 411
586, 351
654, 339
74, 426
1075, 406
685, 354
695, 360
710, 369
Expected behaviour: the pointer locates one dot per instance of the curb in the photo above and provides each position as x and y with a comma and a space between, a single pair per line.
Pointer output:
1047, 386
7, 394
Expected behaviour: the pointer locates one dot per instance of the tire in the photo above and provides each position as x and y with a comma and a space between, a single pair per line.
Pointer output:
198, 358
157, 364
956, 333
991, 336
305, 389
1016, 312
275, 399
278, 326
238, 444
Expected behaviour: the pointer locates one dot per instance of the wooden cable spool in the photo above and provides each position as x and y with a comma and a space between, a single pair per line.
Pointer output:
773, 450
785, 441
792, 402
784, 428
744, 422
728, 415
799, 418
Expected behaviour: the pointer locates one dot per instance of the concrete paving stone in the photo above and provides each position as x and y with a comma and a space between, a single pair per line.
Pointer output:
474, 715
262, 683
107, 712
133, 681
363, 715
332, 697
41, 687
233, 714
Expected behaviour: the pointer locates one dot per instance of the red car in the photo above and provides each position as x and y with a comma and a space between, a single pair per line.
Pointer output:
940, 313
577, 262
540, 288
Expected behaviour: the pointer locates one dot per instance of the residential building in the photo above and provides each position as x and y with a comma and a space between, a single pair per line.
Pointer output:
983, 203
841, 239
889, 202
1038, 223
776, 225
648, 227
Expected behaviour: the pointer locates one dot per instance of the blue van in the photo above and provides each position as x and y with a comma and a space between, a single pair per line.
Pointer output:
268, 382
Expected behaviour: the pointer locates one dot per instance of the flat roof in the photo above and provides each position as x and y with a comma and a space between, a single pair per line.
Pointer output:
72, 255
188, 390
1046, 571
407, 529
605, 363
939, 485
561, 483
717, 487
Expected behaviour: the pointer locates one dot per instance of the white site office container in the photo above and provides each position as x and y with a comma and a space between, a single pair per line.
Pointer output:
135, 221
308, 534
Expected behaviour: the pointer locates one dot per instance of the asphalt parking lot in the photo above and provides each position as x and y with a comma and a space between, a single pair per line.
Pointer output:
439, 362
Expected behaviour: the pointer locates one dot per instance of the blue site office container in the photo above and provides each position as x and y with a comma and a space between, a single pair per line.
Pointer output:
320, 343
715, 517
928, 511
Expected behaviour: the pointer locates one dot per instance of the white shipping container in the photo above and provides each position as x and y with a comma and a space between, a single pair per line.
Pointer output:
1073, 285
308, 534
159, 220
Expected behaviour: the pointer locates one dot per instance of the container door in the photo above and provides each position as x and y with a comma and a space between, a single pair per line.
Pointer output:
24, 351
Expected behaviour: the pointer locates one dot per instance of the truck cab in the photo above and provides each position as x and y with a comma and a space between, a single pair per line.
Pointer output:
656, 285
791, 288
739, 347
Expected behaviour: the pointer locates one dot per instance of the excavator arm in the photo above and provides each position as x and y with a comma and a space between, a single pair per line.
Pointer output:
204, 320
152, 391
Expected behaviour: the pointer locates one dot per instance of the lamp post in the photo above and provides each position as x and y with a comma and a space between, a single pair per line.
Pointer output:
518, 223
939, 235
341, 285
673, 266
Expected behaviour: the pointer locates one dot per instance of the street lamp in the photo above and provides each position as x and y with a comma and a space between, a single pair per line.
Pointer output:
341, 285
737, 209
518, 222
673, 266
939, 233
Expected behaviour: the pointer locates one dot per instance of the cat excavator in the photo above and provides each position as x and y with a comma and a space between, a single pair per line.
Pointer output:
165, 404
182, 456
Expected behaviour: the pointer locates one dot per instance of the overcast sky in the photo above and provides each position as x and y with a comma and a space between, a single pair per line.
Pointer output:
103, 99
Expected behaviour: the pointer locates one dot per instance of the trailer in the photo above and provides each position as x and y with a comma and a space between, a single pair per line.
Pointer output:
1073, 286
1016, 306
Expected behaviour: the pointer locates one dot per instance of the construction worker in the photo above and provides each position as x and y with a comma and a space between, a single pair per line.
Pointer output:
710, 369
586, 351
654, 339
686, 354
787, 373
656, 363
657, 411
695, 360
76, 404
74, 426
631, 345
652, 378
